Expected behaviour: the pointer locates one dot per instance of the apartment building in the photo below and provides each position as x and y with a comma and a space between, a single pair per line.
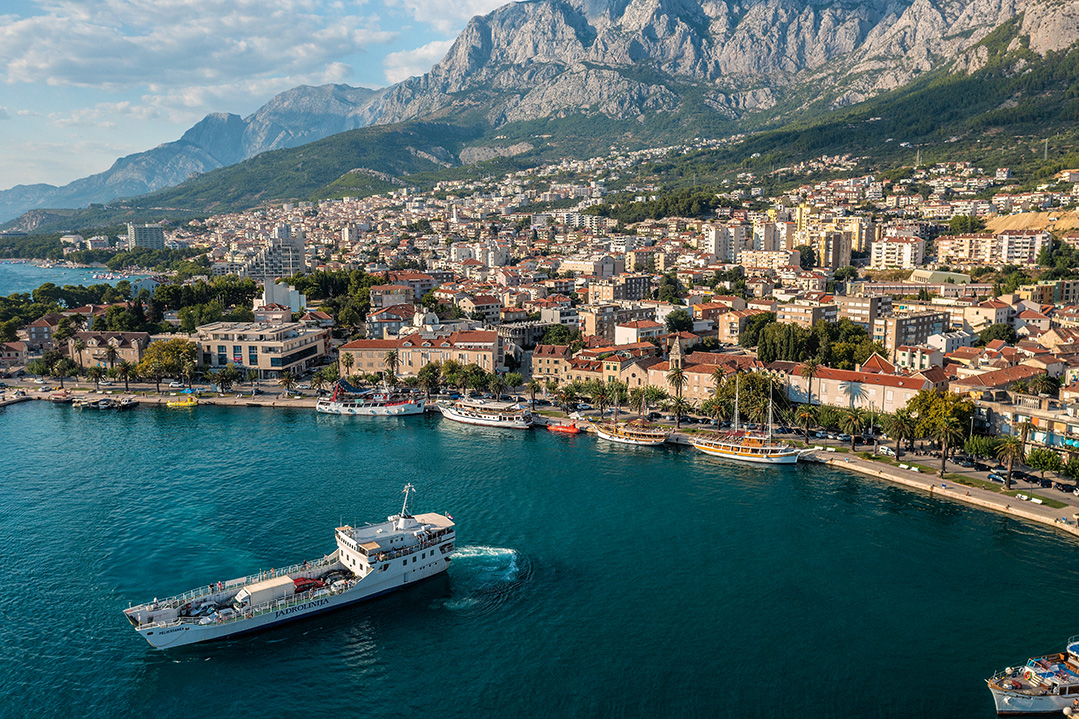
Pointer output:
897, 253
915, 328
269, 349
622, 287
1051, 292
806, 314
863, 310
600, 320
549, 362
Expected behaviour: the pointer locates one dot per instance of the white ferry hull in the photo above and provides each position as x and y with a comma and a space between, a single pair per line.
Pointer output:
744, 456
396, 410
1014, 703
629, 440
450, 413
371, 586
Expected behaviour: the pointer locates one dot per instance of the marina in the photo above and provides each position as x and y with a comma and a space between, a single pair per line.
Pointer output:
836, 561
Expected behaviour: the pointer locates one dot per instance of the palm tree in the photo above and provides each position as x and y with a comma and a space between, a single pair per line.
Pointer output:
654, 396
1044, 384
1010, 450
900, 426
287, 380
496, 385
1021, 386
110, 355
947, 430
77, 346
808, 371
94, 374
347, 360
717, 408
850, 422
187, 371
124, 370
533, 388
61, 368
638, 400
677, 379
597, 395
251, 376
719, 376
392, 362
616, 395
807, 415
680, 406
318, 381
565, 396
1024, 433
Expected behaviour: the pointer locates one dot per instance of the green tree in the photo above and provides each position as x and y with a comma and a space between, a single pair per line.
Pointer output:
900, 426
513, 380
948, 431
496, 385
997, 332
852, 422
680, 406
95, 374
679, 321
63, 367
807, 416
287, 380
392, 362
807, 258
347, 360
125, 370
533, 387
430, 376
1044, 460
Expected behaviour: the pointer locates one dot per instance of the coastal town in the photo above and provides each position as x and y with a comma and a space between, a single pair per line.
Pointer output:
856, 298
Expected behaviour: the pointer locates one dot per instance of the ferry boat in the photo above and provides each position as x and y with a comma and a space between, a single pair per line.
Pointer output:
634, 433
745, 446
369, 561
346, 399
1044, 685
486, 415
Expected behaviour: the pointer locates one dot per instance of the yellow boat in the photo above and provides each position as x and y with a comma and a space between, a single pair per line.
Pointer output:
187, 402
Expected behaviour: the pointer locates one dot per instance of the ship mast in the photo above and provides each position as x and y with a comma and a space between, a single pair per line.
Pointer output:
736, 400
404, 507
769, 409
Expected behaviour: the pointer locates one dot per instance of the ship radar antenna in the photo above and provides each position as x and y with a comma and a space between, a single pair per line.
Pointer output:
404, 507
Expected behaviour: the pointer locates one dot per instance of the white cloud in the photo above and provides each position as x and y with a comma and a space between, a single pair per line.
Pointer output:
407, 63
163, 45
447, 16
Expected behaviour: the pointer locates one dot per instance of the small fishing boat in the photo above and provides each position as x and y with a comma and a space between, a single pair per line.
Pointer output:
63, 397
570, 428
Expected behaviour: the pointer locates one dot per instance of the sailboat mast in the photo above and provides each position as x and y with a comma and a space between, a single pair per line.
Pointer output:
769, 410
736, 400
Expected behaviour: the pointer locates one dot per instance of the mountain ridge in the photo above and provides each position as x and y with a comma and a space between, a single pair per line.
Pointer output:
755, 63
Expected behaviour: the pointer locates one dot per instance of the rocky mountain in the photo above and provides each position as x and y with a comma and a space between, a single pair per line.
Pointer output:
759, 61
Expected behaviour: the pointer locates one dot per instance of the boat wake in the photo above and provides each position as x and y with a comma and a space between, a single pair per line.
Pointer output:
483, 577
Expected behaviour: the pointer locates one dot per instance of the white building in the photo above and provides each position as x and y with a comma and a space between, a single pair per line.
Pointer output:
897, 253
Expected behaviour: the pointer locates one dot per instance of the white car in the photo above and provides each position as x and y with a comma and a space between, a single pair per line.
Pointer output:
884, 449
176, 385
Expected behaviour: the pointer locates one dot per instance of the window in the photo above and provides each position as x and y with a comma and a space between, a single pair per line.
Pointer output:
413, 560
405, 563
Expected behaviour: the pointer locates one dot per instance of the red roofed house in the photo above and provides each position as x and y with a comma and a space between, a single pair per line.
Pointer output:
637, 331
417, 349
864, 390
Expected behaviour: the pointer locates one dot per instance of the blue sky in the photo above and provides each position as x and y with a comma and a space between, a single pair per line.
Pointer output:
83, 82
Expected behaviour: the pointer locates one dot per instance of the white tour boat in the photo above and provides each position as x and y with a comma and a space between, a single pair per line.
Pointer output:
346, 399
744, 446
634, 433
1044, 685
487, 415
369, 561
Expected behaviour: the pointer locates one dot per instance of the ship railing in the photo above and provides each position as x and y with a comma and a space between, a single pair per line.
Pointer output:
409, 550
206, 591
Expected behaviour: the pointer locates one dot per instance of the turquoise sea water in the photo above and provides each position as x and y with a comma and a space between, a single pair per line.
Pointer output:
27, 277
593, 580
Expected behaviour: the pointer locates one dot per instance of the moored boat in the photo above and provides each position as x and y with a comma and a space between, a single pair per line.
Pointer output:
346, 399
62, 397
1044, 685
634, 433
486, 414
369, 561
189, 401
570, 428
745, 446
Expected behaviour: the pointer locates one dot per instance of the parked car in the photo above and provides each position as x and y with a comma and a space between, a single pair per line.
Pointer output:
820, 434
176, 385
886, 450
39, 380
996, 478
3, 385
842, 437
982, 467
965, 463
